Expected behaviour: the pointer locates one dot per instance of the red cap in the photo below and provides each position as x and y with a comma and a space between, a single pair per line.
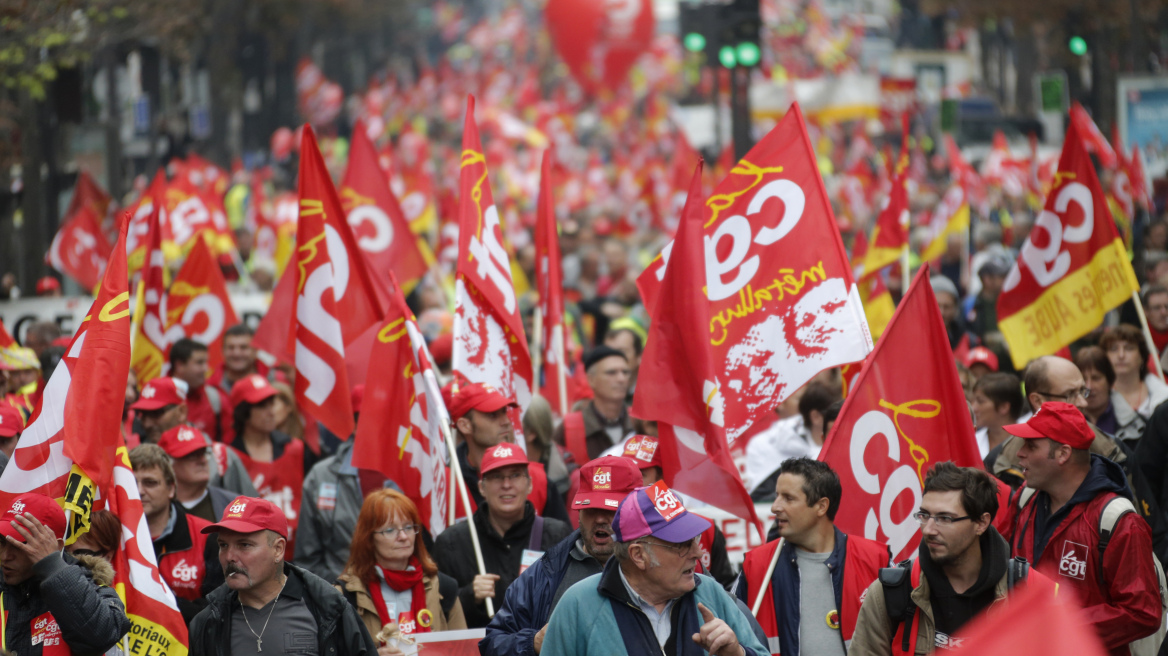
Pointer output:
1061, 422
357, 396
252, 389
248, 515
605, 481
47, 511
160, 393
441, 349
477, 396
47, 284
643, 450
11, 421
981, 355
182, 441
502, 455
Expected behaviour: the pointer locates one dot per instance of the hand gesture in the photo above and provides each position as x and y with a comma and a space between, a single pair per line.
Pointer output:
538, 640
40, 541
484, 586
716, 637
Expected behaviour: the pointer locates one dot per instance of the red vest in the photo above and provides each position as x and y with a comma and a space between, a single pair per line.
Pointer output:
862, 562
281, 482
706, 540
575, 439
185, 570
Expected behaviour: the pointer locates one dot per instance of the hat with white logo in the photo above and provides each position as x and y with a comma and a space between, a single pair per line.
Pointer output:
161, 392
46, 510
502, 455
182, 441
656, 511
248, 515
253, 389
605, 481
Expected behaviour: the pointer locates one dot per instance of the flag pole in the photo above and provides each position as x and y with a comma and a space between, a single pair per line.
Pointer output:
1148, 334
561, 371
905, 277
537, 348
766, 580
465, 495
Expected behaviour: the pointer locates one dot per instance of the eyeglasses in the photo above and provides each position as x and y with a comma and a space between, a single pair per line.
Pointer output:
499, 477
1070, 396
680, 549
941, 520
391, 532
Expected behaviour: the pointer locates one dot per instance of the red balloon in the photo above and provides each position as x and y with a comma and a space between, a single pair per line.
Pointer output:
600, 40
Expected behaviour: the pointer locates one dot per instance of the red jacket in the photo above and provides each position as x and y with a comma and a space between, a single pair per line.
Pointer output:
188, 560
1124, 604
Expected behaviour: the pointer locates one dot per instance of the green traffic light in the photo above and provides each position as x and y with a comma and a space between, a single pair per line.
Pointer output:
1078, 45
727, 57
694, 42
748, 54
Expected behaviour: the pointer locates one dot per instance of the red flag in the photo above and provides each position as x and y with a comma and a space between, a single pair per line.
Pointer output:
1138, 179
1093, 139
549, 281
780, 311
893, 428
198, 306
399, 433
376, 217
189, 211
1034, 622
600, 41
684, 159
490, 345
79, 249
890, 236
142, 221
1073, 267
678, 382
150, 345
87, 193
5, 337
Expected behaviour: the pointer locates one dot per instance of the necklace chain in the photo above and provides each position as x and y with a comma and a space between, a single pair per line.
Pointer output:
260, 636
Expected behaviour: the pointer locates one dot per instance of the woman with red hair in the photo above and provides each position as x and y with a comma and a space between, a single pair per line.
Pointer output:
390, 576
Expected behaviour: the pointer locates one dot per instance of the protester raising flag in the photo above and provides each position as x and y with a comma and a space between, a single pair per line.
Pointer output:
915, 421
400, 433
1073, 267
490, 345
549, 281
198, 306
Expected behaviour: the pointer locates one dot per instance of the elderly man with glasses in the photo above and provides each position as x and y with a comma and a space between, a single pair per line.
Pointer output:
649, 599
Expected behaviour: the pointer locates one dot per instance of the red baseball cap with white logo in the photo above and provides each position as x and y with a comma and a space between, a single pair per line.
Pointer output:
477, 396
502, 455
981, 355
643, 451
248, 515
11, 421
1061, 422
182, 441
161, 392
605, 481
46, 510
253, 389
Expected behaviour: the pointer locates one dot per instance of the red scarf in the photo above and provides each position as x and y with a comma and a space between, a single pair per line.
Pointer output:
1160, 339
400, 581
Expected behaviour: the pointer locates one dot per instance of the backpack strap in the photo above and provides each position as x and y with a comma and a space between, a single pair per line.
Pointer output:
1017, 570
535, 541
897, 586
1113, 511
1024, 496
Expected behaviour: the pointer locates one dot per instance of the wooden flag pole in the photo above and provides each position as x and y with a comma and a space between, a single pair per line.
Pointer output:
465, 495
766, 580
562, 369
1148, 334
537, 349
905, 277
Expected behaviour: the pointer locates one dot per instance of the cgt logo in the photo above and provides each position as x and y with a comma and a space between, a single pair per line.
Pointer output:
666, 503
237, 508
602, 478
503, 452
1073, 563
184, 572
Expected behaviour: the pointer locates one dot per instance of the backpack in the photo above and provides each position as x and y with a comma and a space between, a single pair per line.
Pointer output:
1113, 511
897, 586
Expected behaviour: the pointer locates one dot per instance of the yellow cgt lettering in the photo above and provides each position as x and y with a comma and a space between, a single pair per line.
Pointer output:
107, 312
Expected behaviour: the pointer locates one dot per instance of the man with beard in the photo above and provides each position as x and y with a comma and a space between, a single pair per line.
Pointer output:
521, 623
962, 569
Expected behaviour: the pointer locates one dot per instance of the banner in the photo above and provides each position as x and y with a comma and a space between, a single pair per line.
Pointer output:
400, 433
893, 428
1073, 267
780, 296
600, 41
197, 306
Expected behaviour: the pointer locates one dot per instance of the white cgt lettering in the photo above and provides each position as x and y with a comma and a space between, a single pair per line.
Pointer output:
382, 235
739, 230
492, 260
872, 424
312, 316
1051, 263
211, 307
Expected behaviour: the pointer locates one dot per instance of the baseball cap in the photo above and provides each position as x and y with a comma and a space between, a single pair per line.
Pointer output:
656, 511
502, 455
477, 396
46, 510
19, 358
1061, 422
599, 353
605, 481
643, 450
47, 284
252, 389
182, 441
981, 355
248, 515
161, 392
11, 421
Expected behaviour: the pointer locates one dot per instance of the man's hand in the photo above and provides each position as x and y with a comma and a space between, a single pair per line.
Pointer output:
716, 636
538, 640
484, 586
40, 541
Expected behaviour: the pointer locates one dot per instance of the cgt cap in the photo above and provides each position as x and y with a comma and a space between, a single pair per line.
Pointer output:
643, 451
981, 355
1061, 422
181, 441
502, 455
605, 481
46, 510
656, 511
252, 389
161, 392
477, 396
248, 515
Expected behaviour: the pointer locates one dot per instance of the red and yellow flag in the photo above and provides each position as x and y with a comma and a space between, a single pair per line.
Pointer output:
1072, 269
890, 236
877, 300
198, 306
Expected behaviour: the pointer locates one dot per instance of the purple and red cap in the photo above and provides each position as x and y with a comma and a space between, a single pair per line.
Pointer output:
656, 511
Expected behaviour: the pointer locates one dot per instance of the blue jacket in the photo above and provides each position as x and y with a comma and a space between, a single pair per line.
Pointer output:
596, 618
528, 603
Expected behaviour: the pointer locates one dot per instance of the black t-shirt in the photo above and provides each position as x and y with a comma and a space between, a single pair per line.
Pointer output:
951, 610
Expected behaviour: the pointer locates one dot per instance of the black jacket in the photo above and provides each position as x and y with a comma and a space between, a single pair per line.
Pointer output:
502, 555
339, 631
554, 507
91, 618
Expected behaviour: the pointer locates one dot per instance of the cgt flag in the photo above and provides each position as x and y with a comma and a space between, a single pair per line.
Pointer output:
400, 433
893, 428
781, 301
150, 345
1073, 267
890, 236
549, 281
79, 249
490, 345
198, 306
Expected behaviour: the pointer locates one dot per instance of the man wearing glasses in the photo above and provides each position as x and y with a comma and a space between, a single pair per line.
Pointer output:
190, 457
648, 599
511, 535
963, 567
810, 601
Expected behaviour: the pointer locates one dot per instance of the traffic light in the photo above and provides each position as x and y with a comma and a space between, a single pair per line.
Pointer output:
699, 23
1078, 45
741, 24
